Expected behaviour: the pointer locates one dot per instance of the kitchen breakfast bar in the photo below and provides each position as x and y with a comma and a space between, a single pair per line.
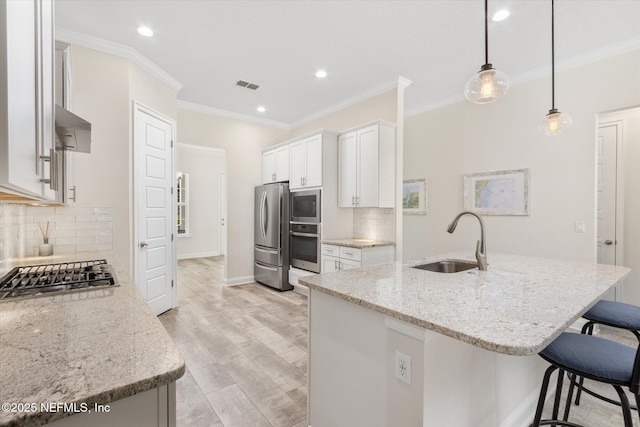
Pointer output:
471, 339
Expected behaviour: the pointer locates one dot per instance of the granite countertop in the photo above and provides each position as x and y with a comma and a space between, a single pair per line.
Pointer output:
517, 307
90, 347
358, 243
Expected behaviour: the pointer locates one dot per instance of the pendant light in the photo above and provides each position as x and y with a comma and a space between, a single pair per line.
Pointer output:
488, 84
555, 122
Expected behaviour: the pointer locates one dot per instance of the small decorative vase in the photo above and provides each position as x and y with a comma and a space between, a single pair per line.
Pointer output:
46, 249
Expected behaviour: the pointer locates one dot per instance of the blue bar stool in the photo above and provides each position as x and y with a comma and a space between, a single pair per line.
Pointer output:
617, 315
599, 359
614, 314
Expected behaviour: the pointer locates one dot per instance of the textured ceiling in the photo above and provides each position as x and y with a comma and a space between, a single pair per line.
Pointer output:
364, 45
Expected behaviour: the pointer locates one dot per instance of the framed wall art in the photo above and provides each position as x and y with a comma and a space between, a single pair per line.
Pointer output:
414, 196
497, 193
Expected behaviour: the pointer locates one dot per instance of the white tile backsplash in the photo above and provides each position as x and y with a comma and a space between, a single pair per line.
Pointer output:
374, 223
75, 229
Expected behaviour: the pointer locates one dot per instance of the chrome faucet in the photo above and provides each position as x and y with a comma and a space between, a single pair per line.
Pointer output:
481, 246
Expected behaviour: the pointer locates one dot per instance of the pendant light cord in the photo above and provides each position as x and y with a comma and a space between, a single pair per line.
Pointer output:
486, 31
553, 65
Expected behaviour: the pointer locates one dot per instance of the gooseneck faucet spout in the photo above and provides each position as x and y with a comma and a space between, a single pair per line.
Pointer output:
481, 246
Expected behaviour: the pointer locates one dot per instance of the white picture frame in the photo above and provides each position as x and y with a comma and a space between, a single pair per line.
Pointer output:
497, 193
414, 196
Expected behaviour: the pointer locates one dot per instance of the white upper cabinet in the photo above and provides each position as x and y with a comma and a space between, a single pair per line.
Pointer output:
306, 163
275, 165
282, 163
26, 108
366, 166
268, 166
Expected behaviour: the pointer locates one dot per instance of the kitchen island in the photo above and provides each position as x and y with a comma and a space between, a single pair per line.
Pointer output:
84, 352
471, 338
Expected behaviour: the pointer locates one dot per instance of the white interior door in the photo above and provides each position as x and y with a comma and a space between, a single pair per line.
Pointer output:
606, 221
609, 219
155, 208
222, 194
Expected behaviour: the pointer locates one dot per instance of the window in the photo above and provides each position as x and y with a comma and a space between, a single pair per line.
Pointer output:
183, 203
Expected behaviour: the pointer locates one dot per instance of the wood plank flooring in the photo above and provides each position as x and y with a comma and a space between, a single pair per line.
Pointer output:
245, 348
246, 353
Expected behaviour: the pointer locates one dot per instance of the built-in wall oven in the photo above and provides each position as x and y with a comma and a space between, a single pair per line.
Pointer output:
305, 246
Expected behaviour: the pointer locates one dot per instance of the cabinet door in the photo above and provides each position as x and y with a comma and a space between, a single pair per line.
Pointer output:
21, 150
297, 164
329, 264
367, 181
282, 163
46, 99
268, 166
347, 264
313, 175
347, 171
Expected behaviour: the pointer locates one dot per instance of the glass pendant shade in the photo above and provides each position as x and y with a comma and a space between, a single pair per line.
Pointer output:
486, 86
555, 123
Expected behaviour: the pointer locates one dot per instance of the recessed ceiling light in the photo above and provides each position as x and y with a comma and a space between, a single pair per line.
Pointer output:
145, 31
261, 109
501, 15
321, 74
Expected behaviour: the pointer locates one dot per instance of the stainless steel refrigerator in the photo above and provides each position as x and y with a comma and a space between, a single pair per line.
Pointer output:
271, 236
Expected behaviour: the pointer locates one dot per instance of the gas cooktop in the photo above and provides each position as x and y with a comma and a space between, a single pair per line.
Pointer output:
45, 279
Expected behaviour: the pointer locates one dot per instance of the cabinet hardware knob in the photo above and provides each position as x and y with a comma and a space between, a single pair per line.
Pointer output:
608, 242
143, 244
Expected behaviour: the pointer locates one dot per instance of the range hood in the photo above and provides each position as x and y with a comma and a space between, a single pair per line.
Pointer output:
72, 132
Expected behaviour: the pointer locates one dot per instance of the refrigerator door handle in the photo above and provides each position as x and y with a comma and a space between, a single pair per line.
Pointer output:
262, 207
265, 215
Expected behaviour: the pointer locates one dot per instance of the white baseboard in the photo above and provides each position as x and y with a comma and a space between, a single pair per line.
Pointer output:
301, 289
234, 281
199, 255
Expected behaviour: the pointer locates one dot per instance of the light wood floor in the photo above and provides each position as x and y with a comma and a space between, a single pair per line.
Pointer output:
246, 353
245, 348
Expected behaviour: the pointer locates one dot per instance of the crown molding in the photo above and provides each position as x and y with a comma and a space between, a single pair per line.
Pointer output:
540, 72
363, 96
76, 38
218, 152
403, 82
199, 108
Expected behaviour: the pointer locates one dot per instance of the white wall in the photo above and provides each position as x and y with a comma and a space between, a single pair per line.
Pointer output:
204, 166
444, 144
101, 96
243, 143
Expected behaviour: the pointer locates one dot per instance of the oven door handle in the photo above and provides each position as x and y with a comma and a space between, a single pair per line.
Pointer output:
295, 233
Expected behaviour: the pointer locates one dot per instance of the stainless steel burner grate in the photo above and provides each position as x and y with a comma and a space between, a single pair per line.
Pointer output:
42, 279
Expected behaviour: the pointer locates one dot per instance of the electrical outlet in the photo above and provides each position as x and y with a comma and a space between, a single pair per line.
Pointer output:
403, 367
580, 227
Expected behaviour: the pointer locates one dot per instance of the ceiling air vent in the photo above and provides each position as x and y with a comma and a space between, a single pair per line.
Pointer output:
248, 85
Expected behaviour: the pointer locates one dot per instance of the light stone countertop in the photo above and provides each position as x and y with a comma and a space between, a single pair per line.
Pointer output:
517, 307
358, 243
93, 346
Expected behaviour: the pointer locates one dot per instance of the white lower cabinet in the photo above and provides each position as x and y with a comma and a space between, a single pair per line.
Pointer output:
155, 407
336, 258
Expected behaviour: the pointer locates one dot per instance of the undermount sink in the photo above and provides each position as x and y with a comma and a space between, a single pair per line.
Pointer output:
447, 266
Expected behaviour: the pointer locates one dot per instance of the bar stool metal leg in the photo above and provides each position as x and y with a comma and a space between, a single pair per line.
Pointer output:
626, 410
543, 395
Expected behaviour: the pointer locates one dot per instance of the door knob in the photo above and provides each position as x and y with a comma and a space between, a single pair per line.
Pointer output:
143, 244
608, 242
